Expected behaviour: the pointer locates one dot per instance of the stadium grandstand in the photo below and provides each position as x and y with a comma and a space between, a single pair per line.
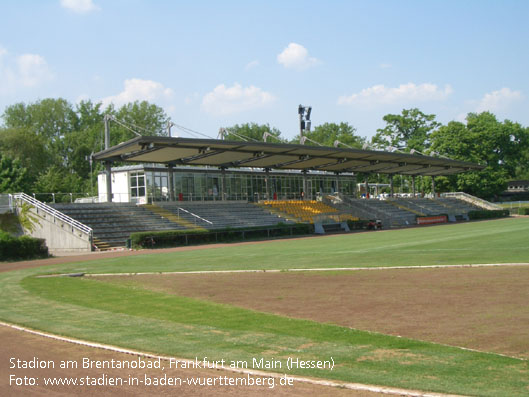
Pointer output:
154, 183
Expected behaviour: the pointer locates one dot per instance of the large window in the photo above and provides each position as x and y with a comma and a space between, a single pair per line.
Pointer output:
137, 184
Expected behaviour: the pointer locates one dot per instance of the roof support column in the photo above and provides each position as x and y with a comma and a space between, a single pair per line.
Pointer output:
337, 182
391, 190
433, 185
108, 177
413, 185
170, 176
267, 183
223, 183
367, 188
304, 191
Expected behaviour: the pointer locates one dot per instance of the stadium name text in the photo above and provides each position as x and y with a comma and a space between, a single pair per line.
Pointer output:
157, 363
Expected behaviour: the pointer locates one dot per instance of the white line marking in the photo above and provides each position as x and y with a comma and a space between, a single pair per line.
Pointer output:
326, 269
346, 385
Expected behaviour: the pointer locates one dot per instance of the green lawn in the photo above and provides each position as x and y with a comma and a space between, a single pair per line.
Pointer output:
498, 241
163, 323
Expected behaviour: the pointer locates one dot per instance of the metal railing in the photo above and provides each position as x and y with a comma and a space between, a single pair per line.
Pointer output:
472, 200
195, 216
52, 212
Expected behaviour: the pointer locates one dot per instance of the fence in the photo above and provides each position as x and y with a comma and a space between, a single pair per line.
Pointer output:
56, 215
473, 200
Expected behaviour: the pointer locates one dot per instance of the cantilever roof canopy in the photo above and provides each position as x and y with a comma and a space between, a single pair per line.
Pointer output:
228, 154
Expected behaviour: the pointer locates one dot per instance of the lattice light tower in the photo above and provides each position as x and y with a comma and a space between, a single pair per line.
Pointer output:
304, 120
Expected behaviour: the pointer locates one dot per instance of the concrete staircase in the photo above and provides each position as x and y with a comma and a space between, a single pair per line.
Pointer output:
112, 223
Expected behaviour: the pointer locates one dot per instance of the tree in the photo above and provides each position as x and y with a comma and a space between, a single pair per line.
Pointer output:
53, 139
26, 147
252, 132
51, 119
60, 180
327, 134
409, 130
500, 146
142, 117
13, 177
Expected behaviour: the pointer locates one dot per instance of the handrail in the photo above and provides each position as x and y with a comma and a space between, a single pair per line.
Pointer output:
195, 215
473, 200
53, 212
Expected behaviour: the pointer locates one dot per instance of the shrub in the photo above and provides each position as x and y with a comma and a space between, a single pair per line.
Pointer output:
174, 238
359, 224
523, 211
487, 214
25, 247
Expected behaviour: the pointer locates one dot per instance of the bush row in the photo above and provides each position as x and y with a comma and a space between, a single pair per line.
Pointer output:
523, 211
359, 224
174, 238
24, 247
487, 214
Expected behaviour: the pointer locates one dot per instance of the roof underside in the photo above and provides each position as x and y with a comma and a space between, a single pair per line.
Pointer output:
212, 152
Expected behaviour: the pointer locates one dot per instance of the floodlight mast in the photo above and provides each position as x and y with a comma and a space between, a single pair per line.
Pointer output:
304, 120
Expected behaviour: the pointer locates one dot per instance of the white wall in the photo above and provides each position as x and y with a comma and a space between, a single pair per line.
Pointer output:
59, 236
120, 187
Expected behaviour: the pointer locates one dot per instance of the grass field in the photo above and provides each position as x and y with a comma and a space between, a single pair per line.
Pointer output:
136, 316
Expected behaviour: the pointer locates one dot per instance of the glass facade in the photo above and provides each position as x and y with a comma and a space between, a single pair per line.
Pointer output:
203, 185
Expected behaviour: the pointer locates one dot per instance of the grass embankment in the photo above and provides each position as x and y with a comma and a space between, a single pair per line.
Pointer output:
173, 325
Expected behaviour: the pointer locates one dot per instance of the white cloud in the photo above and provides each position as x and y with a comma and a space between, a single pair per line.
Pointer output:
385, 66
80, 6
498, 100
32, 69
139, 90
382, 95
295, 56
23, 71
227, 100
251, 65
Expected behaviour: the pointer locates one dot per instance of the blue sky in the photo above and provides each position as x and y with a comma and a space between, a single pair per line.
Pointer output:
213, 64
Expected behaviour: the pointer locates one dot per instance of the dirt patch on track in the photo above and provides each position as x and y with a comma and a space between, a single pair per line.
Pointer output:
20, 345
479, 308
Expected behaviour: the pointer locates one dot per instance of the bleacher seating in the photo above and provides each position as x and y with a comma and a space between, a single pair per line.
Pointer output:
423, 206
222, 214
458, 206
113, 223
305, 210
390, 215
398, 212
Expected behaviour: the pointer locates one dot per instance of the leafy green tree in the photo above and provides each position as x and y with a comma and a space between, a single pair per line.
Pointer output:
409, 130
13, 177
58, 179
252, 132
29, 149
142, 118
499, 146
50, 119
53, 140
327, 134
